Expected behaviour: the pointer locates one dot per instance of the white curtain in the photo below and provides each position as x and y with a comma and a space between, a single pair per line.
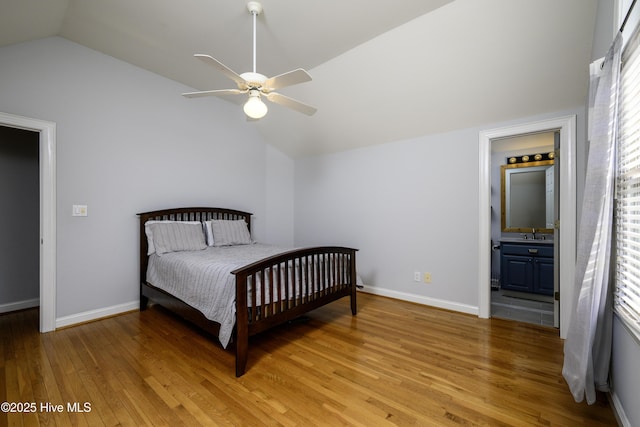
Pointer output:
587, 349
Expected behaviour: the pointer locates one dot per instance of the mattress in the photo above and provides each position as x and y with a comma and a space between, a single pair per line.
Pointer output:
203, 279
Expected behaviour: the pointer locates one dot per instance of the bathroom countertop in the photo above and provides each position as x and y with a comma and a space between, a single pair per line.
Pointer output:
520, 240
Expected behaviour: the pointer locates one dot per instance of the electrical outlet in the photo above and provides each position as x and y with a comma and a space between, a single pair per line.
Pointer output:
427, 277
79, 210
416, 276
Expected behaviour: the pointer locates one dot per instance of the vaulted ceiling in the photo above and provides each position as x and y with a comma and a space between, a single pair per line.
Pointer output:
383, 70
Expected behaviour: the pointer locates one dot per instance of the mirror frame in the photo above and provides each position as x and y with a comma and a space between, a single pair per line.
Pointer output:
503, 189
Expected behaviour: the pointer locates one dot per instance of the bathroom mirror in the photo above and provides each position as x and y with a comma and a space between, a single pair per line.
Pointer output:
527, 197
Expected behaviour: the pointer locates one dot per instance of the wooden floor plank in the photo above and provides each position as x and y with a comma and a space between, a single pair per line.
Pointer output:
395, 363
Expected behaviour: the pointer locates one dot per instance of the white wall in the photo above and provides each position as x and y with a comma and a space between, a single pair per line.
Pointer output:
625, 374
404, 205
408, 206
127, 142
279, 194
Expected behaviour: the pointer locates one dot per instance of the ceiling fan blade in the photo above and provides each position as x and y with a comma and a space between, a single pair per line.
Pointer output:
242, 83
291, 103
219, 92
287, 79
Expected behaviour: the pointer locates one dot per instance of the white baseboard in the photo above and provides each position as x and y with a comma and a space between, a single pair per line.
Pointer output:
618, 411
434, 302
88, 316
19, 305
99, 313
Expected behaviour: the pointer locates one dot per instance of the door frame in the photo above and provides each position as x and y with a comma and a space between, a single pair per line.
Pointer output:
47, 161
566, 125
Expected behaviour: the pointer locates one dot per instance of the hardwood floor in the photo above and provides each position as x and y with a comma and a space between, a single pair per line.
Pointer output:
395, 363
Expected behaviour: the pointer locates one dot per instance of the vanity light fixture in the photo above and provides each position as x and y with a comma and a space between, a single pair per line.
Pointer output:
531, 158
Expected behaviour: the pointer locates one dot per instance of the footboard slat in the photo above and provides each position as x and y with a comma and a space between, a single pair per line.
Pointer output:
285, 286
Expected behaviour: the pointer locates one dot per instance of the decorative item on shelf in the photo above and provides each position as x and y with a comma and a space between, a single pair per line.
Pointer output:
551, 155
530, 157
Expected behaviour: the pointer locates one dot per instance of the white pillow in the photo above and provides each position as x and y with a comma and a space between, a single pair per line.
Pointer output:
230, 232
147, 230
177, 236
208, 232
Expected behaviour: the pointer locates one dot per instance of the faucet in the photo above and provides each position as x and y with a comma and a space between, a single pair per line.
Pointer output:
533, 233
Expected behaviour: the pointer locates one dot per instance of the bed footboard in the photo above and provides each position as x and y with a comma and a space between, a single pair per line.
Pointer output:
282, 287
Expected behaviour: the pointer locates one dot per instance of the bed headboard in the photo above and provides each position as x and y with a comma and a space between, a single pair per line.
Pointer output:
183, 214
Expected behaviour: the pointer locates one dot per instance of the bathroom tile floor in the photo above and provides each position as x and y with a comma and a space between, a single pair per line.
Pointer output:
523, 310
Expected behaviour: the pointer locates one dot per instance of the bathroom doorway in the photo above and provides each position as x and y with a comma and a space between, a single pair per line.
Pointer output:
566, 236
524, 205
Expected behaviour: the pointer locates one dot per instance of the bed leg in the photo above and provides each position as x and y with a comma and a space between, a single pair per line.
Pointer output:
353, 274
242, 349
144, 301
354, 305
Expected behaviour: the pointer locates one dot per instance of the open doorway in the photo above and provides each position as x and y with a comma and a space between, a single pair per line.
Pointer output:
523, 213
566, 127
19, 219
47, 213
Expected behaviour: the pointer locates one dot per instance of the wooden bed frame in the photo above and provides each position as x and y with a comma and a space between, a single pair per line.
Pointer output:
332, 279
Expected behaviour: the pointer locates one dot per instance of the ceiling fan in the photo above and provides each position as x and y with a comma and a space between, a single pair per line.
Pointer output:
255, 84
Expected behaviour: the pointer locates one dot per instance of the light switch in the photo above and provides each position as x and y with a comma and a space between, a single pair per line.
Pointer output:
79, 210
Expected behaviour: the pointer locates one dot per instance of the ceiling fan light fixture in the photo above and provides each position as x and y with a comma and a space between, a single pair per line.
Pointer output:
257, 84
254, 107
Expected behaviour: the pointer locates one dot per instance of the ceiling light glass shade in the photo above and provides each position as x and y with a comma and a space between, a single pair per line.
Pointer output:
254, 107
